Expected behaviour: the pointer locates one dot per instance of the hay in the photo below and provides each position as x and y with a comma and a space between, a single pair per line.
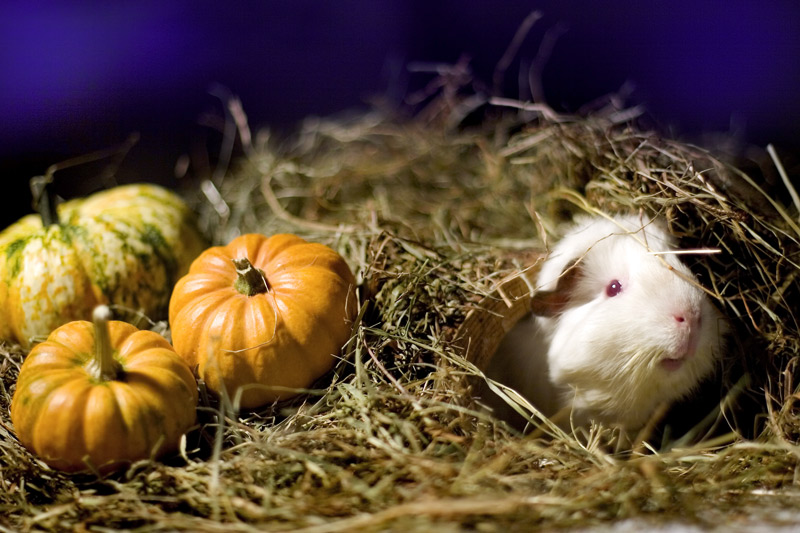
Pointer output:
435, 218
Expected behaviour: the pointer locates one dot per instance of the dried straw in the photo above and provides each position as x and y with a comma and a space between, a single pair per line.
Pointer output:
437, 220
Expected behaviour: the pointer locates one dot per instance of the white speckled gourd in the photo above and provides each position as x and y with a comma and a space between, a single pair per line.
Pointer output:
125, 246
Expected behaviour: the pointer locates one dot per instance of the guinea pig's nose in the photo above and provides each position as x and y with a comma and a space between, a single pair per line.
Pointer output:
687, 327
687, 319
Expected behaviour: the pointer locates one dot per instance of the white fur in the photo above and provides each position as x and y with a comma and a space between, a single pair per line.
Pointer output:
604, 356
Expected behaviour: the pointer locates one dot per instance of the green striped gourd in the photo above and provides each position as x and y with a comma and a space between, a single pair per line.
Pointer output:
125, 246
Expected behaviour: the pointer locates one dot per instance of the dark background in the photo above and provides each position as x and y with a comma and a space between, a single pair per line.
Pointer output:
80, 76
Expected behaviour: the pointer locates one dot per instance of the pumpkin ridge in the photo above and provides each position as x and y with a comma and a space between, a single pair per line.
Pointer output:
224, 344
269, 250
168, 418
325, 263
315, 366
196, 285
221, 293
140, 415
141, 341
254, 315
51, 381
122, 334
54, 356
105, 415
73, 338
247, 245
186, 320
166, 360
55, 418
259, 312
263, 366
213, 263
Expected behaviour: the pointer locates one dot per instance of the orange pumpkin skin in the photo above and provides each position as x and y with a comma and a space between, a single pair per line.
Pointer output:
67, 416
267, 344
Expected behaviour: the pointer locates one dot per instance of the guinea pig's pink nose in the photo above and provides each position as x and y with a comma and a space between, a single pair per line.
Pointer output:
689, 324
687, 319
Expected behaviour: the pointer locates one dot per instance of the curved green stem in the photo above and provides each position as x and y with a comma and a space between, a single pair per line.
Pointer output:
103, 366
43, 201
251, 280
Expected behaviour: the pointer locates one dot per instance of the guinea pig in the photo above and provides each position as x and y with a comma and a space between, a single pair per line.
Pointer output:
618, 327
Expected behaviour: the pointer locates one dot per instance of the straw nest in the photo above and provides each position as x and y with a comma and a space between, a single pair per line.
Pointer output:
440, 221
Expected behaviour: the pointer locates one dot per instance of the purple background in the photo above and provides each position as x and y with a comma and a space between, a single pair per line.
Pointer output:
79, 76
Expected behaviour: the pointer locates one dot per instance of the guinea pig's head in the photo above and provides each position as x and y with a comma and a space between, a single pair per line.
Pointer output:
628, 328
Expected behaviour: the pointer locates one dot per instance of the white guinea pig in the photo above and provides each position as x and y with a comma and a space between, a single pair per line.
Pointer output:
617, 329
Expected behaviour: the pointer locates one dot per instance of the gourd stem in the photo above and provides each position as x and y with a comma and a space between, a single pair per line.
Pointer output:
103, 367
43, 201
251, 280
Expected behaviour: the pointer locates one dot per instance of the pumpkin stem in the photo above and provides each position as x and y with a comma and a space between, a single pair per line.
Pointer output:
251, 280
43, 201
103, 367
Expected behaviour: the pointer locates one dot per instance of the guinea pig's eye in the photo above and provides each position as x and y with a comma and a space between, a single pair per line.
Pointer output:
613, 288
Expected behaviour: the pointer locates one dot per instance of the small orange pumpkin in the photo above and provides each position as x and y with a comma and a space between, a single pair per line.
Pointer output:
101, 395
267, 315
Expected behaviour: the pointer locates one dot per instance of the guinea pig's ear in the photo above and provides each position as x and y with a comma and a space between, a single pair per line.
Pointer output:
551, 303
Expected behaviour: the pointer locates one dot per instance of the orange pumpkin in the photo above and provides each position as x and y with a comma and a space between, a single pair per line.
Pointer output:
263, 316
101, 395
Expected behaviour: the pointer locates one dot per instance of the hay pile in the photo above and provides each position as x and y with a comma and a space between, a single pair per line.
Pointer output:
433, 218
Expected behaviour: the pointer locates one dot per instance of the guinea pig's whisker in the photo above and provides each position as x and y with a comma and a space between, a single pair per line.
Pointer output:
687, 252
